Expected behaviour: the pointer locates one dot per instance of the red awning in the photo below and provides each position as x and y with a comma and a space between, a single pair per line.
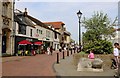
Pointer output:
24, 42
37, 43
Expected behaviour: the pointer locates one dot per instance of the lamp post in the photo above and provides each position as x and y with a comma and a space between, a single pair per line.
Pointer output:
79, 14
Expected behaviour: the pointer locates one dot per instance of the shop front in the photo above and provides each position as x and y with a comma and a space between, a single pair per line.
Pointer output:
38, 47
24, 43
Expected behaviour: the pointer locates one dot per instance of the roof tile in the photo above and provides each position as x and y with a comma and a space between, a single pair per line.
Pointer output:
55, 25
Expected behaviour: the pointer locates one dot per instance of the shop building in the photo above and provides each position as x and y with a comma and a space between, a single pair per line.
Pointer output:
33, 30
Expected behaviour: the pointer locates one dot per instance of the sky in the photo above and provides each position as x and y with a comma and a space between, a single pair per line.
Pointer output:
66, 11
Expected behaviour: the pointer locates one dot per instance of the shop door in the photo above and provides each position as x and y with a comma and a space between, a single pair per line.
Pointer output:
3, 44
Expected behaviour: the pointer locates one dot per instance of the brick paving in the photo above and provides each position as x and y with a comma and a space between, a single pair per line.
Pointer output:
39, 65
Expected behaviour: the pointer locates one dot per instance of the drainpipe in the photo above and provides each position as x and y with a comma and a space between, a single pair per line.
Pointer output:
13, 30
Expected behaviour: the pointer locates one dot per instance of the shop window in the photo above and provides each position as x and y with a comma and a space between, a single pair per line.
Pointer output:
31, 32
37, 30
55, 35
48, 34
65, 38
41, 32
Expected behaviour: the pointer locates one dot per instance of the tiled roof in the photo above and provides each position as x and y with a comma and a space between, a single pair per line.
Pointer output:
38, 22
21, 19
28, 20
16, 19
55, 25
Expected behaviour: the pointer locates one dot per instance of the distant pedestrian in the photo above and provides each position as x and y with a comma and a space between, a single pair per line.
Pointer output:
48, 50
60, 49
51, 50
116, 53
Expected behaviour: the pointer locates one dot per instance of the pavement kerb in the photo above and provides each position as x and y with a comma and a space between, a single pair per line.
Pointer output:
53, 66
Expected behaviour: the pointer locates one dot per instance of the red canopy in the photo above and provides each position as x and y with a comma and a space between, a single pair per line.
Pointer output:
37, 43
24, 42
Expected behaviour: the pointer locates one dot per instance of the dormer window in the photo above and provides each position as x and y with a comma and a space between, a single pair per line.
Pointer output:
22, 29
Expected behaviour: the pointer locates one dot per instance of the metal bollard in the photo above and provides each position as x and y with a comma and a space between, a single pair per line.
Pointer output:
77, 50
67, 52
63, 55
71, 51
74, 50
57, 58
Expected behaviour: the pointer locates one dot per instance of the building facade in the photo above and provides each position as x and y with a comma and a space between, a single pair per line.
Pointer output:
67, 38
33, 30
6, 24
64, 34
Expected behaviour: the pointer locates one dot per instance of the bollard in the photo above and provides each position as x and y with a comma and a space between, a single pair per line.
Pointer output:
74, 50
63, 55
57, 58
71, 51
78, 50
67, 52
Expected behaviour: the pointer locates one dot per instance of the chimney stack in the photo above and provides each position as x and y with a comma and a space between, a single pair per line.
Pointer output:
25, 13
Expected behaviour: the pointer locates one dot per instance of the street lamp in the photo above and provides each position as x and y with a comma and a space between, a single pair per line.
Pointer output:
79, 14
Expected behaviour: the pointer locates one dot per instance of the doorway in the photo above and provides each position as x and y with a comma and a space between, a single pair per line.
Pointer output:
4, 44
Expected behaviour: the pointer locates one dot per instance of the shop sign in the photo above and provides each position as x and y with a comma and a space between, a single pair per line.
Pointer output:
29, 39
37, 35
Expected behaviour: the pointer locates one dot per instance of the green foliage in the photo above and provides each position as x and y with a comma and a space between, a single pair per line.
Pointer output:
82, 52
99, 47
99, 31
98, 27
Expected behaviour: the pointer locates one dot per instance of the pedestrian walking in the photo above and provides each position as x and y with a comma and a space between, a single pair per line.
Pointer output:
51, 50
116, 54
60, 49
48, 50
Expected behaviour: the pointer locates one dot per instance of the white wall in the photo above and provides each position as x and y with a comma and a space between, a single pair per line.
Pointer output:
56, 43
38, 35
27, 31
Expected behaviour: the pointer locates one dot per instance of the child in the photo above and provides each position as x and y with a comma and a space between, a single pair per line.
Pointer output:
91, 55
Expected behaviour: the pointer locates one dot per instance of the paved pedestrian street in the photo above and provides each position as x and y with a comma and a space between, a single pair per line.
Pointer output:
39, 65
44, 65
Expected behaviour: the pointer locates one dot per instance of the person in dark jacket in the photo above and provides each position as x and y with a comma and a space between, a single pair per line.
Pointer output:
51, 50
